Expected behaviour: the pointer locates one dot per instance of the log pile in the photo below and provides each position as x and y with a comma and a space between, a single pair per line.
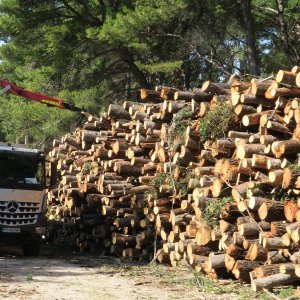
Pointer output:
210, 177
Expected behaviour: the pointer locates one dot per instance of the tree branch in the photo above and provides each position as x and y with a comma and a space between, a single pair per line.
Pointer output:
199, 55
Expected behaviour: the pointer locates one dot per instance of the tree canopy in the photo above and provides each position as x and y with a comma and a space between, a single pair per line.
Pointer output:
94, 52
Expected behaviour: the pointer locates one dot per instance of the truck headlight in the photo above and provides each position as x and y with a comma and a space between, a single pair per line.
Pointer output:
40, 230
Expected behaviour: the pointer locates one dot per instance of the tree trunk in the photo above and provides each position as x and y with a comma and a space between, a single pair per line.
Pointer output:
250, 36
290, 51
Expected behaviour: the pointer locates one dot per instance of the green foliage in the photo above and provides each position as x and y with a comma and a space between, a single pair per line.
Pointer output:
280, 194
293, 166
87, 167
280, 293
216, 122
157, 181
286, 293
20, 118
182, 185
95, 52
212, 211
29, 277
160, 67
208, 285
178, 126
166, 178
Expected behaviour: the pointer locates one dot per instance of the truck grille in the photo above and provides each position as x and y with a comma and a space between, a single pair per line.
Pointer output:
13, 213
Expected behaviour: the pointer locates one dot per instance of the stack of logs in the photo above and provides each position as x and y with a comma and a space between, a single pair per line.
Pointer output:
136, 185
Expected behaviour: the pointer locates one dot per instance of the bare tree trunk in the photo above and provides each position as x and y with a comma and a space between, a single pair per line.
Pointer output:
134, 69
250, 36
290, 51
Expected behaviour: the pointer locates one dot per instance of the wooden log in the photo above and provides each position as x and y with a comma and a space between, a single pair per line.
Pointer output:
259, 87
288, 268
243, 268
249, 229
184, 95
289, 177
273, 163
272, 281
241, 110
203, 235
204, 108
254, 119
197, 260
275, 92
194, 248
247, 150
297, 270
276, 177
273, 211
118, 112
167, 92
123, 239
239, 192
229, 262
266, 270
267, 139
192, 143
219, 189
278, 127
235, 251
216, 261
126, 170
238, 134
272, 243
295, 103
150, 95
295, 69
278, 228
290, 210
286, 77
258, 100
257, 252
259, 161
216, 88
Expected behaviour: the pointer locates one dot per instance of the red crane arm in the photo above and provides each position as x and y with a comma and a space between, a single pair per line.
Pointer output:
50, 101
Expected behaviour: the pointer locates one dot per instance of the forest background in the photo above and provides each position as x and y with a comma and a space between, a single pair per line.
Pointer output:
97, 52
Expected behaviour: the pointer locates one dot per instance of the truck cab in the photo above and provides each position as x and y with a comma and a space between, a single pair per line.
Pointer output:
22, 198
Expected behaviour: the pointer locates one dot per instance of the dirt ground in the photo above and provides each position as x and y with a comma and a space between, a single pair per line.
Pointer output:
59, 275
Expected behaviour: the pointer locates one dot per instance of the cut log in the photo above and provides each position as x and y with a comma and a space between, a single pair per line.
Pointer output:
259, 87
243, 268
272, 281
273, 211
216, 88
247, 150
286, 77
118, 112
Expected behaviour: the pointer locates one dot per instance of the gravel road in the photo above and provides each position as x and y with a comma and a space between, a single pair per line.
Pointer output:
59, 274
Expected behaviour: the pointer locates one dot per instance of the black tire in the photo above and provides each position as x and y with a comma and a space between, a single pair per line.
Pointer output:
32, 249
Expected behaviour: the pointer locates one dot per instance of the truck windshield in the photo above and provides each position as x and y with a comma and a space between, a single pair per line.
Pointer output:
21, 171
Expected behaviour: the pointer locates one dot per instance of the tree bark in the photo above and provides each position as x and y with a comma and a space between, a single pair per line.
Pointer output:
290, 51
250, 37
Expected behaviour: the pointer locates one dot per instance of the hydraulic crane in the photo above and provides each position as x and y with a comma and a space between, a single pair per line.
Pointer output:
49, 101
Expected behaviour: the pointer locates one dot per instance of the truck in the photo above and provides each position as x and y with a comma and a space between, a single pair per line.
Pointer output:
23, 184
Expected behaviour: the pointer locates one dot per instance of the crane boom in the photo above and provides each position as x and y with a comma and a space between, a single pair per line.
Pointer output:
49, 101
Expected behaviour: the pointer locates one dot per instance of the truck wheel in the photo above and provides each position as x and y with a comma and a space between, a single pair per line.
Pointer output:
32, 249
